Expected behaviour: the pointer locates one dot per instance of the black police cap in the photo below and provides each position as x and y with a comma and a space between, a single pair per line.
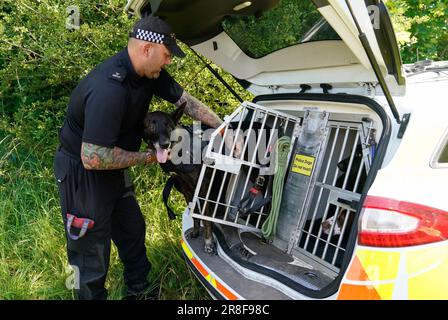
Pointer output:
154, 29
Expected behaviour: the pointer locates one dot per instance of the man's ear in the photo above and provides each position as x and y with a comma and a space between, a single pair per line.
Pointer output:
177, 114
147, 47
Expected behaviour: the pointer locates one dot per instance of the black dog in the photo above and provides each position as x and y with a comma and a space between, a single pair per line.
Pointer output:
158, 127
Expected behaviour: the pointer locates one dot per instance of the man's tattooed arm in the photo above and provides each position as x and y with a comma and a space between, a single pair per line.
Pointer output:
96, 157
198, 111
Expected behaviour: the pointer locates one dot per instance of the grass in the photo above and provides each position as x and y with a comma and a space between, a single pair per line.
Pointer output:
33, 263
33, 260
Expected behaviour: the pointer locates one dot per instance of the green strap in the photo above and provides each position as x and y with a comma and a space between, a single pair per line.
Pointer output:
283, 146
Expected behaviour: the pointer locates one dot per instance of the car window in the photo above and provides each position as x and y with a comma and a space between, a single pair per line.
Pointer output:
290, 23
444, 155
440, 156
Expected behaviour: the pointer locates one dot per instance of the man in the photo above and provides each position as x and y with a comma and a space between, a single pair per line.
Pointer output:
100, 138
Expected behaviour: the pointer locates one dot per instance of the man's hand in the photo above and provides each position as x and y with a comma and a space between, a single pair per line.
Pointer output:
238, 146
231, 138
150, 157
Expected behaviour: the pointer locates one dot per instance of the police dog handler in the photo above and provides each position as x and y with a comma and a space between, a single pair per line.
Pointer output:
100, 138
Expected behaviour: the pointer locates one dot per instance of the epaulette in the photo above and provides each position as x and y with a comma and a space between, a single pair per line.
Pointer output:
118, 74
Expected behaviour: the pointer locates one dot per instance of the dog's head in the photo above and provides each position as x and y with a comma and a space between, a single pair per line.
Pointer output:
158, 126
358, 157
327, 224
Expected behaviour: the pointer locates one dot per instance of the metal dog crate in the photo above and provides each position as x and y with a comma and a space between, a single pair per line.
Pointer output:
229, 177
334, 192
322, 193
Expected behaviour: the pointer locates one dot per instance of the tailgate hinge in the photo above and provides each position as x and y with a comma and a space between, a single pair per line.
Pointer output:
369, 89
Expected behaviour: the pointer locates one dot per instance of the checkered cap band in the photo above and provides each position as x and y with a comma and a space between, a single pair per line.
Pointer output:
150, 36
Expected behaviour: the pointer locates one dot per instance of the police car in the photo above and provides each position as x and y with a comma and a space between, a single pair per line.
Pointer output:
360, 210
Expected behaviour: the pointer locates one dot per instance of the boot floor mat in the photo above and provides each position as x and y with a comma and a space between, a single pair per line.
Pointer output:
250, 248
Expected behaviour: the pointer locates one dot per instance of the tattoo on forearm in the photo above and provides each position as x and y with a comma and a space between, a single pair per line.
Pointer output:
198, 111
102, 158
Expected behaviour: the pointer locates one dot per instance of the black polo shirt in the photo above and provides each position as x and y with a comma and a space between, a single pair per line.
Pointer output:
108, 106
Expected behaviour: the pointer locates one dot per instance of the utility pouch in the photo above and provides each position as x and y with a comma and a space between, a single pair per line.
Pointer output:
79, 223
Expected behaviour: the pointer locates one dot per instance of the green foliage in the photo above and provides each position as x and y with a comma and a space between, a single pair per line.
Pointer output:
33, 263
41, 59
422, 27
283, 26
41, 62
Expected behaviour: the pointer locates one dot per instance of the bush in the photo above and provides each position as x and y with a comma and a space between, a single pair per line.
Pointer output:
41, 62
422, 27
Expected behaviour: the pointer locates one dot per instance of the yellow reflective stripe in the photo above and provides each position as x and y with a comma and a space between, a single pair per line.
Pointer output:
379, 265
372, 275
385, 290
209, 278
216, 284
427, 273
186, 250
407, 273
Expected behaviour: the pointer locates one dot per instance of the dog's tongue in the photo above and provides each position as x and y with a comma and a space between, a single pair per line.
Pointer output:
162, 155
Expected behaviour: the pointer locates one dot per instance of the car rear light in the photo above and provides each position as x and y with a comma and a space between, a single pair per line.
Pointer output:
393, 223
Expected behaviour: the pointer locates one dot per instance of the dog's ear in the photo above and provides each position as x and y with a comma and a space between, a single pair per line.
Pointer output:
177, 114
146, 121
146, 124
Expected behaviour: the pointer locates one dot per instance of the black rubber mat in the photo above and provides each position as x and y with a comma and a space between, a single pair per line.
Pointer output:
250, 248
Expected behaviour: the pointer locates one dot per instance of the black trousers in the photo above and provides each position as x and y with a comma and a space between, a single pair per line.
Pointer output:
103, 197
